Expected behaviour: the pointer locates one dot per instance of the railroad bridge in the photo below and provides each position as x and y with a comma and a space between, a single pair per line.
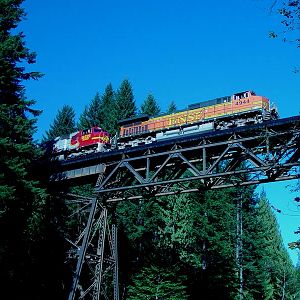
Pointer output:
240, 156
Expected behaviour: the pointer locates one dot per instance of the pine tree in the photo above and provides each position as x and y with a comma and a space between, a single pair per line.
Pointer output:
150, 106
125, 103
297, 275
157, 283
83, 122
269, 271
172, 108
108, 110
63, 123
92, 114
22, 199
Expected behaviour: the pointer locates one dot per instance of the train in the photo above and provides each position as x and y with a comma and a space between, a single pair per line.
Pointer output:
81, 142
240, 109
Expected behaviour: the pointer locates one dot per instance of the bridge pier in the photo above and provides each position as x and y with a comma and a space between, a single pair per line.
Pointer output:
96, 255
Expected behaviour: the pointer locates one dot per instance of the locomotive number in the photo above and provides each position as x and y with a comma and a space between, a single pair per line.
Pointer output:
240, 102
86, 137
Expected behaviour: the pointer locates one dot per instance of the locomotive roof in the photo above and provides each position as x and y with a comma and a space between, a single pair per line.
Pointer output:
210, 102
134, 119
248, 91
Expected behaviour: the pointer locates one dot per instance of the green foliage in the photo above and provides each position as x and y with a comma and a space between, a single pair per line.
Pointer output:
63, 123
108, 110
22, 196
198, 233
172, 108
105, 111
140, 222
182, 229
125, 103
92, 114
150, 106
157, 283
17, 117
268, 268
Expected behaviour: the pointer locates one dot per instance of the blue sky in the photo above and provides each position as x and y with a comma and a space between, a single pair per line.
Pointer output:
185, 51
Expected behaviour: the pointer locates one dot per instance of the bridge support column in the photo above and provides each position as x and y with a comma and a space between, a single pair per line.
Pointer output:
95, 257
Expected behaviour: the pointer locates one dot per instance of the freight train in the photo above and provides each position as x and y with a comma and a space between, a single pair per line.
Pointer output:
240, 109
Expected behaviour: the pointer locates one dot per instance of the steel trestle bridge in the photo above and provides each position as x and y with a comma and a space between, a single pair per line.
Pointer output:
240, 156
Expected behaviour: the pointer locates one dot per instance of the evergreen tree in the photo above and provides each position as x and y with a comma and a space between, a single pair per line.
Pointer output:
22, 199
172, 108
63, 123
92, 114
196, 232
296, 244
150, 106
108, 110
83, 122
125, 103
157, 283
268, 268
298, 277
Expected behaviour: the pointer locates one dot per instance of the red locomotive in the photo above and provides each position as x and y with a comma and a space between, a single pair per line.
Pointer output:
80, 142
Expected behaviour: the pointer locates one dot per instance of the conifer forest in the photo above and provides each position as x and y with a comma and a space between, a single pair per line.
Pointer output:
189, 246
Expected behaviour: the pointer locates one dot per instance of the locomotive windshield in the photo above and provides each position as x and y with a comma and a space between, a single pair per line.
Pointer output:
243, 95
97, 129
86, 131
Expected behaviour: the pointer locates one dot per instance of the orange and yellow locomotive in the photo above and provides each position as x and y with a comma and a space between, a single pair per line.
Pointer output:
226, 112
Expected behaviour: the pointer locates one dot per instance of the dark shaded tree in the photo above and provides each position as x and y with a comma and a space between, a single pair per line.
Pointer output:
92, 114
171, 108
150, 106
195, 232
199, 234
63, 123
157, 283
108, 110
125, 104
269, 273
22, 197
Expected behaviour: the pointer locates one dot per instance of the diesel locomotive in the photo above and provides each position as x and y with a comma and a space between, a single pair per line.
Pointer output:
239, 109
80, 142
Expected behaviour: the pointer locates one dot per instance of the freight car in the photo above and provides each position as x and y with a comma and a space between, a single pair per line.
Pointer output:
240, 109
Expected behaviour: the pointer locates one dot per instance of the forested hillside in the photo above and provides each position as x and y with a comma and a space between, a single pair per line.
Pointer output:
222, 244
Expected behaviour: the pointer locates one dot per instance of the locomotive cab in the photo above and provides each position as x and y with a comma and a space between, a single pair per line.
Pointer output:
248, 100
242, 95
90, 138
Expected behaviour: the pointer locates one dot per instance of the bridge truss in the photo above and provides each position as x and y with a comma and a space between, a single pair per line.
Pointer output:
242, 156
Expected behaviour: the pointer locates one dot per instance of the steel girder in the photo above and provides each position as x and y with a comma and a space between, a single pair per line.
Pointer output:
267, 157
93, 251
